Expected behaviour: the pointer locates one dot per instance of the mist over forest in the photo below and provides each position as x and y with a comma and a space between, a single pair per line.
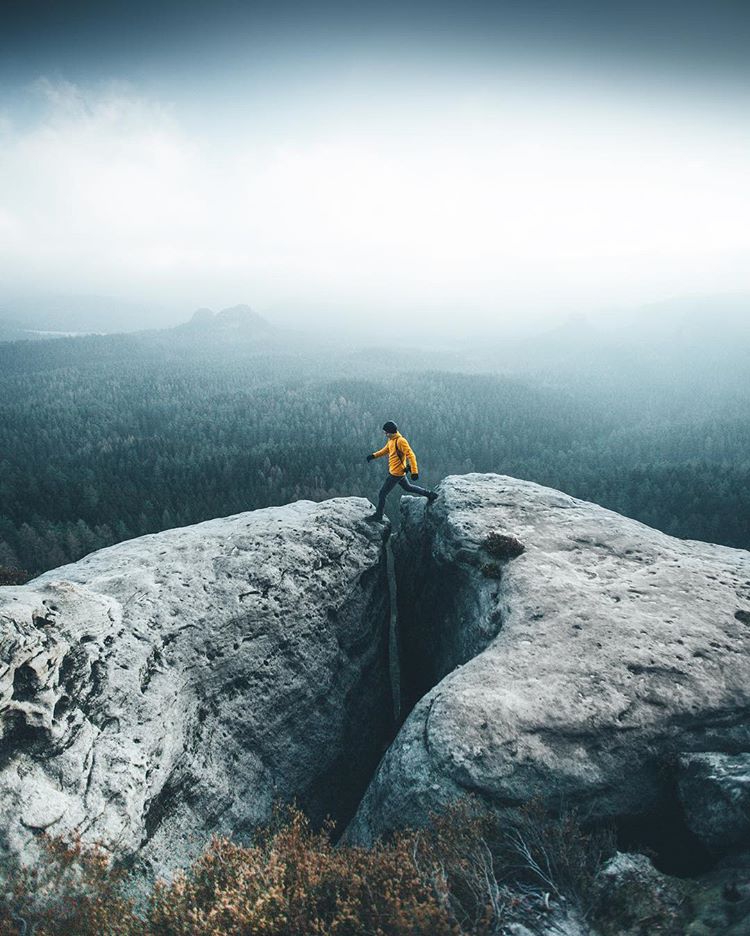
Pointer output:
109, 437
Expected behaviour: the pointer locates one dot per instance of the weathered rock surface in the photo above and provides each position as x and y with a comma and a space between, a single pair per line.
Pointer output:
715, 794
575, 672
558, 924
631, 894
172, 686
633, 898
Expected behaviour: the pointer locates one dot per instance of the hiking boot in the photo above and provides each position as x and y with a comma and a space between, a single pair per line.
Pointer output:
433, 496
374, 518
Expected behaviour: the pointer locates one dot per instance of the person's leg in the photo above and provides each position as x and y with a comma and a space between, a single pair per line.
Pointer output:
413, 488
388, 485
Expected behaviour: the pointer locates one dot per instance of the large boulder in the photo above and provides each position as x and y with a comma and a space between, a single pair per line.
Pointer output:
174, 686
570, 654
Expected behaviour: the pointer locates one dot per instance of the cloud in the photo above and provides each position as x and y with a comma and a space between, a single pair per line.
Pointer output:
471, 201
97, 179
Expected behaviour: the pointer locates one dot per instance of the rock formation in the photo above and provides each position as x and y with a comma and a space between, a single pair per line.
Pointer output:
571, 655
173, 686
715, 793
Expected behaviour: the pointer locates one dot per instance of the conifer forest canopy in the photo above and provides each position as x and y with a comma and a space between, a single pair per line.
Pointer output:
104, 438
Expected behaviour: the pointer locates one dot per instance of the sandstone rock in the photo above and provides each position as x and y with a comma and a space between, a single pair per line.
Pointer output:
172, 686
633, 898
576, 674
558, 925
715, 793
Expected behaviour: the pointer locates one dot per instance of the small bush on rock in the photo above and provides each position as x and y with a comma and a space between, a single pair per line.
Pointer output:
503, 545
13, 576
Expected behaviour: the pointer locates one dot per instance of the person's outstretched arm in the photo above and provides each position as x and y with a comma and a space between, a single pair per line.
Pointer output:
379, 453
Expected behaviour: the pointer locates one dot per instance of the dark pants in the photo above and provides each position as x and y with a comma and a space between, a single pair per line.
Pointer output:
390, 483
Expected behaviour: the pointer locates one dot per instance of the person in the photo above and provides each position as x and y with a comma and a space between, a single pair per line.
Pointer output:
400, 455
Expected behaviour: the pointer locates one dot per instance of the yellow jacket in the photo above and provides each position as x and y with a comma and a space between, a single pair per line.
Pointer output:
398, 451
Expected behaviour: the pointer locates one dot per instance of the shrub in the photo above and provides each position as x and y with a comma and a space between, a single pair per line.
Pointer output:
13, 576
553, 853
294, 881
503, 545
470, 872
74, 892
518, 864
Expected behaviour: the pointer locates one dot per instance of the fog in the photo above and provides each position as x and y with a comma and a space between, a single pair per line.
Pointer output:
414, 185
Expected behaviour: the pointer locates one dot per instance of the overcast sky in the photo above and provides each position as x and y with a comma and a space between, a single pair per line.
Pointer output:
470, 160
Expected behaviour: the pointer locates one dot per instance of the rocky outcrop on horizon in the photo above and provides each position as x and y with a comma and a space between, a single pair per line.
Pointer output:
241, 319
568, 655
175, 685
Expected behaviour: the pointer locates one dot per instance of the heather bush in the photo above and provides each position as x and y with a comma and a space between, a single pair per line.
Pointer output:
516, 865
13, 576
468, 873
75, 891
294, 880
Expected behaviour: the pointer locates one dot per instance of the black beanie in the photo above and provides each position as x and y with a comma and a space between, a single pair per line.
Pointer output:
390, 427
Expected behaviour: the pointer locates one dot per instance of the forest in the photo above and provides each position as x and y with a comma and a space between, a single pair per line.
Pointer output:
104, 438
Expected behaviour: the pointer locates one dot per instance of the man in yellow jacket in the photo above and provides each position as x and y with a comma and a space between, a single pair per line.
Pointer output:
399, 454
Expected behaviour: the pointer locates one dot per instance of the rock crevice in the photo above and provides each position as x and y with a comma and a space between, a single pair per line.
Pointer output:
575, 673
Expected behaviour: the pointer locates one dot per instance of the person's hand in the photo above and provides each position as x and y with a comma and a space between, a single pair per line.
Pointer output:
370, 458
415, 476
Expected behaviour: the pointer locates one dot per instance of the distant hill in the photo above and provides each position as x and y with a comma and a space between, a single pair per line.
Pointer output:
239, 319
687, 342
66, 318
717, 318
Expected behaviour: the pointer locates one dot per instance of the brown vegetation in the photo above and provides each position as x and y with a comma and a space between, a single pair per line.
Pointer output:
467, 874
503, 545
13, 576
74, 892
